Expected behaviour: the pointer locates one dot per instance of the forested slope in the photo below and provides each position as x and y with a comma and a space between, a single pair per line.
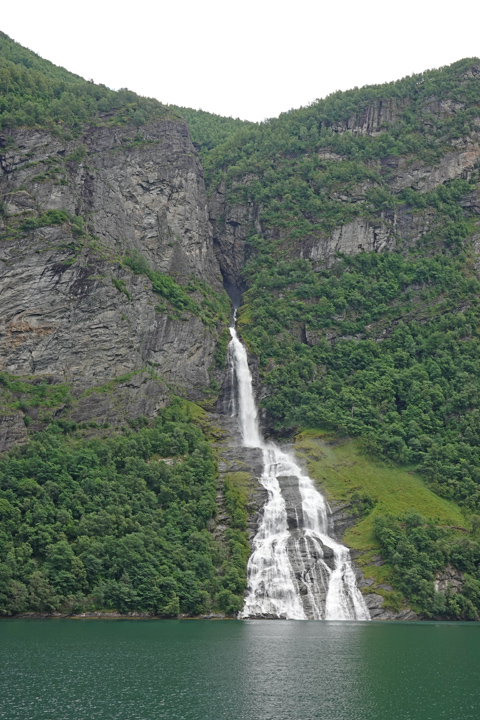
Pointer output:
35, 92
361, 278
358, 225
209, 130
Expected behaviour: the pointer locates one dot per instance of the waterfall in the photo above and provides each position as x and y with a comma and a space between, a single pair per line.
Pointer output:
296, 570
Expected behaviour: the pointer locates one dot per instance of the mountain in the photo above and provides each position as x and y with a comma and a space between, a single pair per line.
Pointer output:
349, 231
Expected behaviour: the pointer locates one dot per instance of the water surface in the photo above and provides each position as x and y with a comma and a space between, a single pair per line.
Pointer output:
238, 670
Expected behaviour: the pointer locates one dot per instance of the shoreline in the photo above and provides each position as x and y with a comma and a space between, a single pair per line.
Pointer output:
113, 615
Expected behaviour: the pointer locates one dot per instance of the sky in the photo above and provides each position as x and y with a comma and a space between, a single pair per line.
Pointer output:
252, 59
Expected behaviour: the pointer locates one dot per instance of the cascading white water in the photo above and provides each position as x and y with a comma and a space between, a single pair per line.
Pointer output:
296, 571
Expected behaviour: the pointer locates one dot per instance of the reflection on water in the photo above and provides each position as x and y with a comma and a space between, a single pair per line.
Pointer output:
302, 670
238, 670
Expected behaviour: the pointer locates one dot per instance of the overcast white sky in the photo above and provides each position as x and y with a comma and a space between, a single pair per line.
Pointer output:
251, 59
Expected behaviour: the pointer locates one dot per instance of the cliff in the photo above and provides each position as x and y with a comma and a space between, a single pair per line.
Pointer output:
73, 312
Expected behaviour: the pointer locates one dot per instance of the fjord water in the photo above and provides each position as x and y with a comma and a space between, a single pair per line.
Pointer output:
289, 573
238, 670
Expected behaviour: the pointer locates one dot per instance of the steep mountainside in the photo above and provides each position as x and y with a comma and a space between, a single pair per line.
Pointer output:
356, 236
74, 309
349, 232
112, 304
352, 226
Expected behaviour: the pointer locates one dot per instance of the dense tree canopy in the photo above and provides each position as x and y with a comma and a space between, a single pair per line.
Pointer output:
35, 92
116, 523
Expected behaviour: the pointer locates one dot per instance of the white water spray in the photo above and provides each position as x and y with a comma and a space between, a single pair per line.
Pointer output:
296, 571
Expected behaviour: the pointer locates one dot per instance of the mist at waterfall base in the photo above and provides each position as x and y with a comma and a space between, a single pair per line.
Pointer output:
296, 570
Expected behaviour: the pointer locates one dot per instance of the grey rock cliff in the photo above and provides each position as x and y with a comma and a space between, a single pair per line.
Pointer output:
12, 428
231, 225
234, 458
62, 315
136, 188
359, 235
373, 118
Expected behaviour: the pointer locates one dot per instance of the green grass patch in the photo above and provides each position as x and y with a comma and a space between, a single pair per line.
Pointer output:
111, 384
193, 411
121, 287
343, 472
22, 393
51, 217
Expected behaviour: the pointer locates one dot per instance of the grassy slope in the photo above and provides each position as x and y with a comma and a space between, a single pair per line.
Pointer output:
342, 470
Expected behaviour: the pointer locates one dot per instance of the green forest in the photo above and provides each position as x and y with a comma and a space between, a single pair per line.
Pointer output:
34, 92
117, 522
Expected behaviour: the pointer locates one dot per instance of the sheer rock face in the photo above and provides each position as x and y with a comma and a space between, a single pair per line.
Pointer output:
357, 236
70, 320
373, 119
136, 189
62, 316
231, 225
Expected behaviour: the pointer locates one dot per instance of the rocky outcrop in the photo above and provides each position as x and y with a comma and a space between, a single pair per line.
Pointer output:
372, 119
234, 458
450, 580
231, 225
12, 428
404, 172
384, 233
375, 603
357, 236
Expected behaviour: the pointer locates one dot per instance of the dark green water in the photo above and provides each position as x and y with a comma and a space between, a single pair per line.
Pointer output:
238, 670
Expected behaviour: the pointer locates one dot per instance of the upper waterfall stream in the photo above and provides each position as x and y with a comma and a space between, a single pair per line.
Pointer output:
296, 570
